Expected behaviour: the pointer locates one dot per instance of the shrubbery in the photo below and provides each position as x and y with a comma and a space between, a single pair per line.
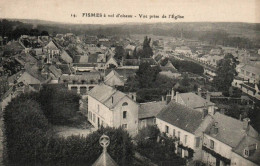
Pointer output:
159, 152
29, 138
58, 105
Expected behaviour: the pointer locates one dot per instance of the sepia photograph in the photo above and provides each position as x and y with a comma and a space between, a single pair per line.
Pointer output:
129, 83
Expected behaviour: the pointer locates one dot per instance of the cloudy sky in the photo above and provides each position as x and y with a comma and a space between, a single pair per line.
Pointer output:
192, 10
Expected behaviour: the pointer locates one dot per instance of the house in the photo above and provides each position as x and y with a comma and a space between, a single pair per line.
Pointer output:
110, 107
170, 74
222, 140
186, 126
55, 73
250, 73
114, 79
130, 49
14, 91
148, 112
194, 101
215, 51
88, 77
83, 67
111, 61
247, 152
213, 60
183, 50
52, 48
66, 57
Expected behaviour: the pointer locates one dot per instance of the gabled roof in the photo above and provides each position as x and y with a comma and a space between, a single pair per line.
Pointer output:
245, 143
150, 109
111, 74
52, 45
230, 130
104, 160
194, 101
92, 58
181, 116
107, 95
56, 72
251, 69
169, 65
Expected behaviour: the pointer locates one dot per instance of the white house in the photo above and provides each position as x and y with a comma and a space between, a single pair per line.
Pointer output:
186, 125
222, 137
52, 48
247, 152
110, 107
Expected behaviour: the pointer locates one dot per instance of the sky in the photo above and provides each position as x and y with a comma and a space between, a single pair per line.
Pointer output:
192, 10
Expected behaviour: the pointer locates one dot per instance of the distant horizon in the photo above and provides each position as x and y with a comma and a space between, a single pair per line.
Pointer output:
118, 23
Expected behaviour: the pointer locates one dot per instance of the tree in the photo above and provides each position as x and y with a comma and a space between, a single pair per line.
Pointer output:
59, 105
25, 128
44, 33
147, 50
119, 53
146, 74
185, 81
148, 146
34, 32
226, 71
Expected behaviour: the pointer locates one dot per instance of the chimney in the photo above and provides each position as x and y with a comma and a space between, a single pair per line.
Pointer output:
208, 96
176, 97
162, 98
246, 123
172, 94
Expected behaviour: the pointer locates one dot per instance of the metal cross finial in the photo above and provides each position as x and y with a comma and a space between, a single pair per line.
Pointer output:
104, 141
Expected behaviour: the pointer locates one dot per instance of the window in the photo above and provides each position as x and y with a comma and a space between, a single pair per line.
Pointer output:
124, 114
211, 144
89, 115
197, 141
98, 108
125, 104
166, 129
185, 139
124, 126
94, 118
179, 134
173, 132
246, 153
186, 153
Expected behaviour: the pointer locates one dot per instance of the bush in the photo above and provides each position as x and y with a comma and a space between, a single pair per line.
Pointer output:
157, 152
59, 105
25, 128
